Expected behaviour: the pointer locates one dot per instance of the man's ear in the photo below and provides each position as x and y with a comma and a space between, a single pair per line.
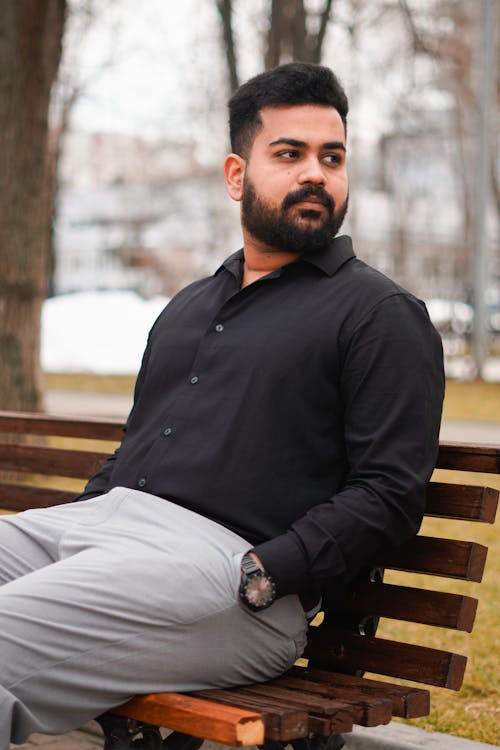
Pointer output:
234, 173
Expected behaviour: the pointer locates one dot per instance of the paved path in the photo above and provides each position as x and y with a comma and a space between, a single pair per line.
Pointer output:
88, 738
470, 431
395, 736
78, 403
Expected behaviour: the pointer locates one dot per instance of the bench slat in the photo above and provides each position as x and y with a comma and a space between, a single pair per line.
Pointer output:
335, 649
200, 718
407, 702
369, 711
315, 704
50, 461
449, 558
428, 607
462, 501
461, 457
281, 723
325, 717
42, 424
18, 497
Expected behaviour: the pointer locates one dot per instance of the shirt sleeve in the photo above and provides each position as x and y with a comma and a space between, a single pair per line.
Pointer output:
392, 388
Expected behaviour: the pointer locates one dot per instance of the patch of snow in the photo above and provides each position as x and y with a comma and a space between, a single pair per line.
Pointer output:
100, 332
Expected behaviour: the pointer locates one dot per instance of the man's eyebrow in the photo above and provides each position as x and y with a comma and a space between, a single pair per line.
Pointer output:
332, 146
335, 146
288, 142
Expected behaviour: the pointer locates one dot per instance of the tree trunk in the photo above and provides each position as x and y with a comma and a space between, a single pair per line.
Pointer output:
30, 48
225, 9
289, 38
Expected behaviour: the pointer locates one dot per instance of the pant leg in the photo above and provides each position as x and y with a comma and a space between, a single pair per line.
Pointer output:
30, 540
143, 598
20, 553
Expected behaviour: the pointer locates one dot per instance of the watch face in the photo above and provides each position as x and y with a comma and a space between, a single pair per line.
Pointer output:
258, 591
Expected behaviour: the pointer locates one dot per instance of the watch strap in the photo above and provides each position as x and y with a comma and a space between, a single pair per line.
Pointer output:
249, 566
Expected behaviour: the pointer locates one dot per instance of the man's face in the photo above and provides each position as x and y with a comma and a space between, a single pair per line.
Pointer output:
295, 187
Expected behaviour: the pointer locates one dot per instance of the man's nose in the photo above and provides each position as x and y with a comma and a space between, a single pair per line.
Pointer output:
312, 172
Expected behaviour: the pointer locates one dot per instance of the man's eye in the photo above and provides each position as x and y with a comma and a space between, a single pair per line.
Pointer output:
333, 158
288, 154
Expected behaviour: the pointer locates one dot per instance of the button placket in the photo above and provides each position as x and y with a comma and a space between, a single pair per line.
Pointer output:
205, 347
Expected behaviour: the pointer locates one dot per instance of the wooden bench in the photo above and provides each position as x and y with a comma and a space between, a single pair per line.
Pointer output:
325, 694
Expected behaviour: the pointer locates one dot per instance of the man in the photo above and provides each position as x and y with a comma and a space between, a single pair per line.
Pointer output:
285, 423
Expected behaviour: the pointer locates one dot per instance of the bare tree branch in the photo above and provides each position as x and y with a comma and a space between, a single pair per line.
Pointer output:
417, 41
225, 9
320, 37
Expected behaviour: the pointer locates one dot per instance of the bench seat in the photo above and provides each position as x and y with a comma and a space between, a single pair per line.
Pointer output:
45, 460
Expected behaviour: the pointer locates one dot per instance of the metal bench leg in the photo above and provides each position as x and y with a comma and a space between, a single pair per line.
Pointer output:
314, 742
121, 733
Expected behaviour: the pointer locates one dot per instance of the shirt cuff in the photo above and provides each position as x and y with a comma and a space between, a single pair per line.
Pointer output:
284, 559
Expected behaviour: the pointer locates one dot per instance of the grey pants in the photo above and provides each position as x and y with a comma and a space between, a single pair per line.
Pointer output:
121, 595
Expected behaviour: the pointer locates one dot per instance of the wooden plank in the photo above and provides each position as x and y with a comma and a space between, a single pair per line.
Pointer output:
197, 717
18, 497
42, 424
335, 649
50, 461
462, 501
281, 724
327, 720
369, 711
428, 607
337, 714
449, 558
407, 701
314, 704
464, 457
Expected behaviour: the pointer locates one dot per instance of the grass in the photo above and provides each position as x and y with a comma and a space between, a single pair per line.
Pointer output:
90, 383
473, 712
474, 400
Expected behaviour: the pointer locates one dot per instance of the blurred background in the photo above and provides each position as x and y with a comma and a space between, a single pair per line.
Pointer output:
112, 137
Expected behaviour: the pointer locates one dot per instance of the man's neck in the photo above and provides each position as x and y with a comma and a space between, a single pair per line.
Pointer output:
260, 259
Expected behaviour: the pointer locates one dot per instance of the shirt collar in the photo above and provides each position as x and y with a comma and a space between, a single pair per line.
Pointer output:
233, 263
333, 257
329, 260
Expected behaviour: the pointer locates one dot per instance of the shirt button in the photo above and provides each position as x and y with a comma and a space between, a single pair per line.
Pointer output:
219, 327
194, 380
167, 431
142, 482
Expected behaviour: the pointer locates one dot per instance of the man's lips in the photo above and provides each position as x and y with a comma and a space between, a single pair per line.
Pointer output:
311, 201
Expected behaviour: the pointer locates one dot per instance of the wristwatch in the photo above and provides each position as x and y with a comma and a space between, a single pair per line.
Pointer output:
257, 588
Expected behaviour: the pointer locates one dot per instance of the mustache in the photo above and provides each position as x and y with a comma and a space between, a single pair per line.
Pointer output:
309, 191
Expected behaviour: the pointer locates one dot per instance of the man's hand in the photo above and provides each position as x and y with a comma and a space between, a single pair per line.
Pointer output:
256, 560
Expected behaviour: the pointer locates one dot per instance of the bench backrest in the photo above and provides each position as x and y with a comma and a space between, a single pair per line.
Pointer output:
41, 456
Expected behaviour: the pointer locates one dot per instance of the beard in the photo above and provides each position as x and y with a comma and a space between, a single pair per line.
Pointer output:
276, 228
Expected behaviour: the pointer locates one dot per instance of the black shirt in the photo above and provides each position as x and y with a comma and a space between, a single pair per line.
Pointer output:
301, 411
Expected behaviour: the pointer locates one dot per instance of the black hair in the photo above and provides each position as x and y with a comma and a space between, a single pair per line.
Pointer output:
285, 86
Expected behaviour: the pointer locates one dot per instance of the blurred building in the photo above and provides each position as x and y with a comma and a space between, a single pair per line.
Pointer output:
145, 216
137, 215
